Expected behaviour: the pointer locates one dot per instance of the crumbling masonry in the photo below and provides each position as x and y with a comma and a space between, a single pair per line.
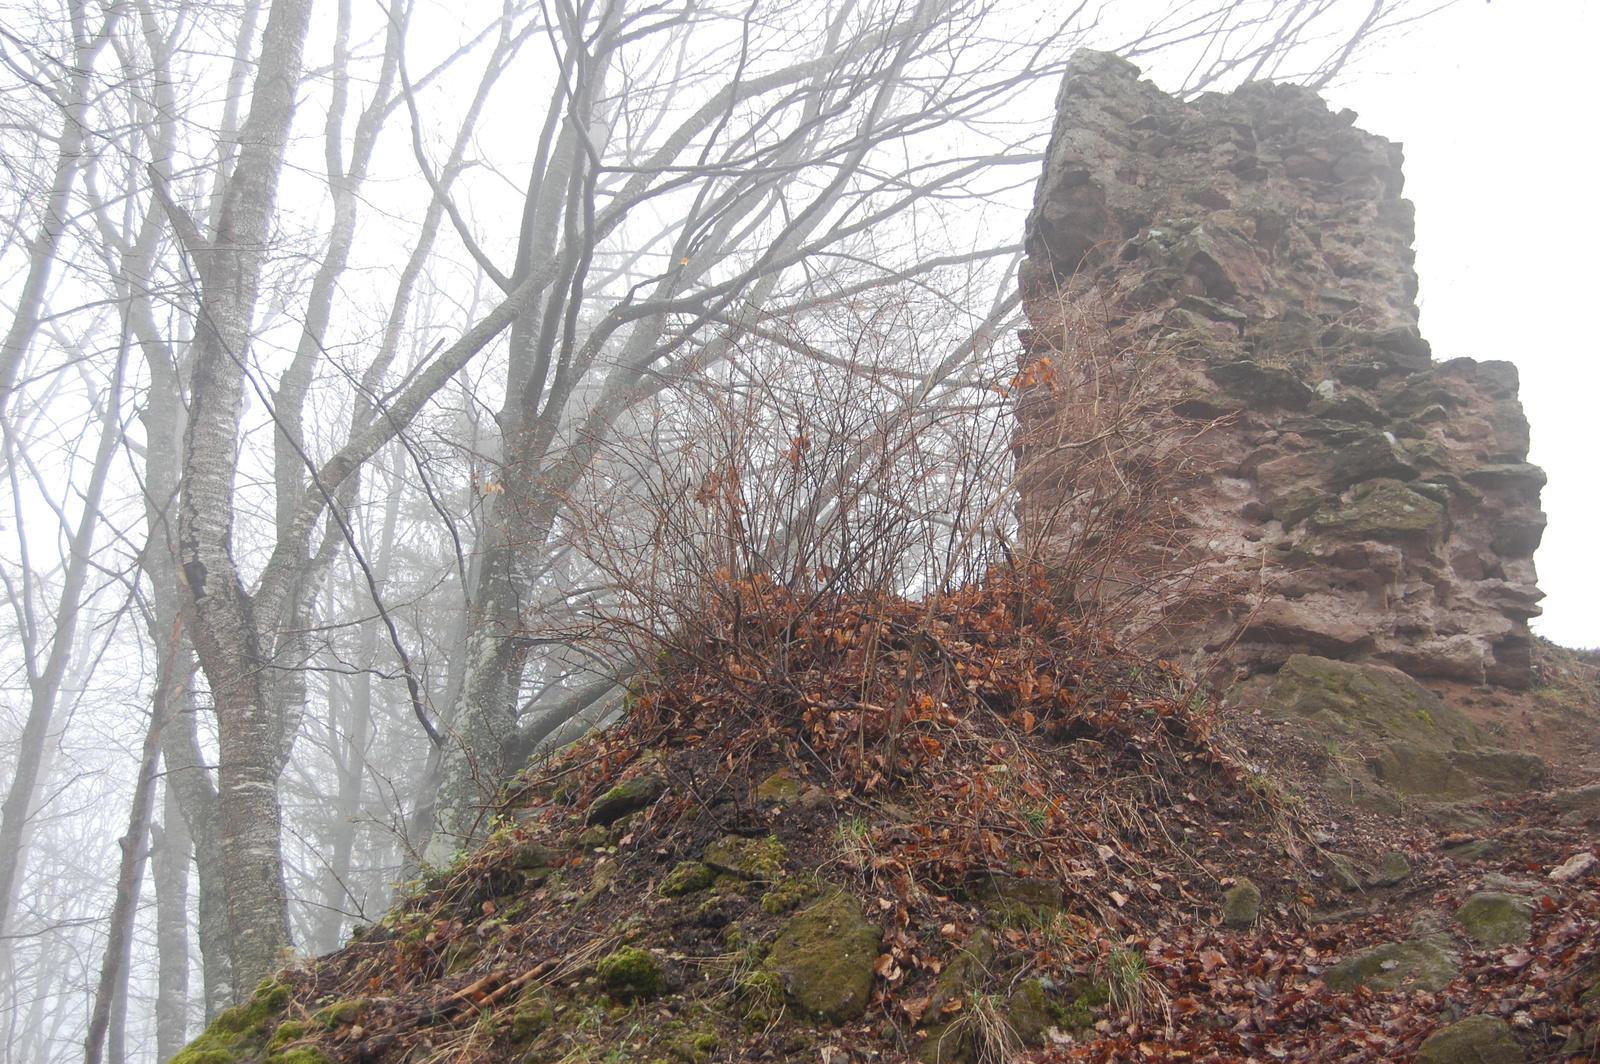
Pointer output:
1229, 424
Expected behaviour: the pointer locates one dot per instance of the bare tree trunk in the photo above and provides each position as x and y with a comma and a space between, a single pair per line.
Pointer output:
46, 245
172, 851
45, 684
224, 631
130, 875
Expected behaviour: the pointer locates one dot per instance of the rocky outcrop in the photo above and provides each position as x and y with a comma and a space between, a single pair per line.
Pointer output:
1230, 426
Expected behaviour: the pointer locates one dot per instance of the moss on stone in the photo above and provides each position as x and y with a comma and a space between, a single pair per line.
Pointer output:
287, 1032
1422, 963
1494, 919
1030, 1011
778, 788
241, 1032
1241, 905
630, 796
688, 877
1367, 702
786, 895
965, 971
340, 1012
300, 1055
695, 1048
1393, 869
1474, 1040
631, 974
530, 1019
749, 858
824, 955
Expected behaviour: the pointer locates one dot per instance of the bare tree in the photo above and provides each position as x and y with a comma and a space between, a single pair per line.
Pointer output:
657, 322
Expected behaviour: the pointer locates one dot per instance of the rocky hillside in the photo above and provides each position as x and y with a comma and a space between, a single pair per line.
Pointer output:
862, 829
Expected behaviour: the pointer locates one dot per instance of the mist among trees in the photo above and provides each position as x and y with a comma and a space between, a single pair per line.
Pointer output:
384, 384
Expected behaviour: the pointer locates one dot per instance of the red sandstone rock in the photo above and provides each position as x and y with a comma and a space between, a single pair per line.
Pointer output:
1230, 428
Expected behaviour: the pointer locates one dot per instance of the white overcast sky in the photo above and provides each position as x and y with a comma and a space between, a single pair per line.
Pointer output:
1496, 105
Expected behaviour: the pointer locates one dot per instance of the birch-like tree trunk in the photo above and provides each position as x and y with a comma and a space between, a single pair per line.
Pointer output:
224, 632
172, 855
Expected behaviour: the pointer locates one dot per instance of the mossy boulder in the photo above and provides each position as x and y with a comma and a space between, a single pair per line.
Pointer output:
824, 955
631, 974
688, 877
1372, 702
1027, 899
735, 855
1474, 1040
1241, 904
1343, 872
629, 796
966, 970
530, 1019
760, 996
1420, 771
1578, 805
1030, 1012
1509, 771
695, 1048
340, 1013
1393, 869
1495, 919
786, 895
1422, 963
249, 1032
778, 788
531, 855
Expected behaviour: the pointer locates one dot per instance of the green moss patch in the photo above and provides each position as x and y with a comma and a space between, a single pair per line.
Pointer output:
825, 956
248, 1032
631, 974
688, 877
750, 858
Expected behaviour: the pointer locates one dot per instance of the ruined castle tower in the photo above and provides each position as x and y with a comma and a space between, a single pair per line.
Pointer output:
1229, 426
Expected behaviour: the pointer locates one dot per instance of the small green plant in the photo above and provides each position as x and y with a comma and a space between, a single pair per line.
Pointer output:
1132, 990
988, 1032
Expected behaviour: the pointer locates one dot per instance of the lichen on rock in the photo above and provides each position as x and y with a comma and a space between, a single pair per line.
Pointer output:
824, 955
1496, 919
1423, 963
1474, 1040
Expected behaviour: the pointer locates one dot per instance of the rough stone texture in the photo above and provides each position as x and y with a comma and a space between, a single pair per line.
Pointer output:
1241, 904
1494, 919
1393, 869
627, 797
1578, 805
1474, 1040
1222, 300
1423, 963
1018, 898
824, 956
1403, 739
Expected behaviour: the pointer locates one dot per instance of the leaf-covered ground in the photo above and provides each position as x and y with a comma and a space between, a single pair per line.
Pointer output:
1040, 830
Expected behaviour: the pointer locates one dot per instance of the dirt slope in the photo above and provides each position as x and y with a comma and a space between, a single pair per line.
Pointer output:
874, 830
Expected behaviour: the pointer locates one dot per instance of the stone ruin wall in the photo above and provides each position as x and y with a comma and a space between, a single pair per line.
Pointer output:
1224, 379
